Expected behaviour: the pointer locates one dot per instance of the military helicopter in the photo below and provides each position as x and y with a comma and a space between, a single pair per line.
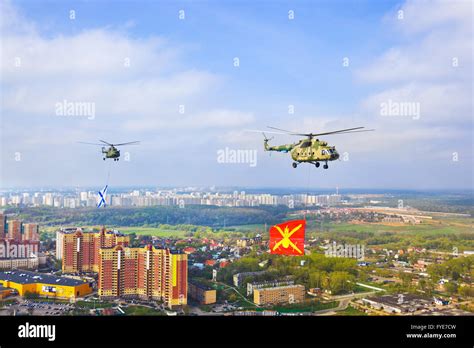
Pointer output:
311, 149
111, 151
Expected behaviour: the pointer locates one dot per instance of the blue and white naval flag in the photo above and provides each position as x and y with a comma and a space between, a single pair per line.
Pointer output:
102, 197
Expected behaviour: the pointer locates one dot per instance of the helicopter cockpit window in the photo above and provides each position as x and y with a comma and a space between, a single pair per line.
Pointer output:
306, 144
323, 152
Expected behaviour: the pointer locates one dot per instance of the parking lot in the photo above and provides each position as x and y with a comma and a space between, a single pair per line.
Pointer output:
219, 308
39, 308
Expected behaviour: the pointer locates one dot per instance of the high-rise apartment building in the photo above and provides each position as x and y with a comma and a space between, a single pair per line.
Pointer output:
14, 230
79, 249
145, 273
30, 232
3, 225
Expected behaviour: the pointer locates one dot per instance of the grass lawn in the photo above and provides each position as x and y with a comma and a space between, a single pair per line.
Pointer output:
359, 289
351, 311
47, 300
244, 304
4, 303
139, 310
206, 308
307, 306
97, 304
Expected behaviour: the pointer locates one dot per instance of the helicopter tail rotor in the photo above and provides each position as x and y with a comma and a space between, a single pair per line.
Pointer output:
265, 138
265, 141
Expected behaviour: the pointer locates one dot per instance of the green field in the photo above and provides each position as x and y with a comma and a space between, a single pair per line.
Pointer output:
142, 231
147, 231
247, 228
152, 231
432, 227
435, 227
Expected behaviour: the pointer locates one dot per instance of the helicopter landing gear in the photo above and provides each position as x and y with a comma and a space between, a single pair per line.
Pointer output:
317, 164
326, 166
295, 164
103, 158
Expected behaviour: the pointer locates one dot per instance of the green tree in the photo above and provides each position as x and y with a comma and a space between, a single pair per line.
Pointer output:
316, 279
451, 288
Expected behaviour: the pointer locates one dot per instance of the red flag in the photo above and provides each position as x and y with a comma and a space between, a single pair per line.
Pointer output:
288, 238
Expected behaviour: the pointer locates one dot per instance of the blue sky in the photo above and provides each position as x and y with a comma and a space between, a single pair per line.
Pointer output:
282, 62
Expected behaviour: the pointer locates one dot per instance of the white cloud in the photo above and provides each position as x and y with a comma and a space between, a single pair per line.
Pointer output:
192, 121
91, 67
141, 102
426, 15
438, 102
131, 102
431, 65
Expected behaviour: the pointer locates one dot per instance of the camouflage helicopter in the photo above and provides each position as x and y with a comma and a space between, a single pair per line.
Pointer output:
111, 151
311, 149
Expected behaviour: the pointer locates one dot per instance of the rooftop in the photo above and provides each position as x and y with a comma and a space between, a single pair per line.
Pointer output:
281, 287
200, 285
26, 277
407, 301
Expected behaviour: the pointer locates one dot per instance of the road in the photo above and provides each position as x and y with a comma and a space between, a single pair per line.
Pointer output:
332, 311
343, 302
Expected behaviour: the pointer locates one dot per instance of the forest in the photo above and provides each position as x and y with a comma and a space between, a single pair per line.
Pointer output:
212, 216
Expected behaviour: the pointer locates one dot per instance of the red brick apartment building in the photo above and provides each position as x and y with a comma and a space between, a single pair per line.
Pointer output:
144, 273
79, 250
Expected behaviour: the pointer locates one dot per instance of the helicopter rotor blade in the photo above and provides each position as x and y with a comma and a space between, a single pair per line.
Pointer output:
129, 143
357, 131
286, 131
260, 131
82, 142
338, 131
106, 142
341, 131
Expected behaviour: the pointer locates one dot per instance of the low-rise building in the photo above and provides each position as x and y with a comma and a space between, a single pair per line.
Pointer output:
30, 263
279, 295
398, 303
239, 277
44, 284
202, 293
251, 286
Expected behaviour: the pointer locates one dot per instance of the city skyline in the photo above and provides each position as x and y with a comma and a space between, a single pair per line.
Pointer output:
140, 198
171, 80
